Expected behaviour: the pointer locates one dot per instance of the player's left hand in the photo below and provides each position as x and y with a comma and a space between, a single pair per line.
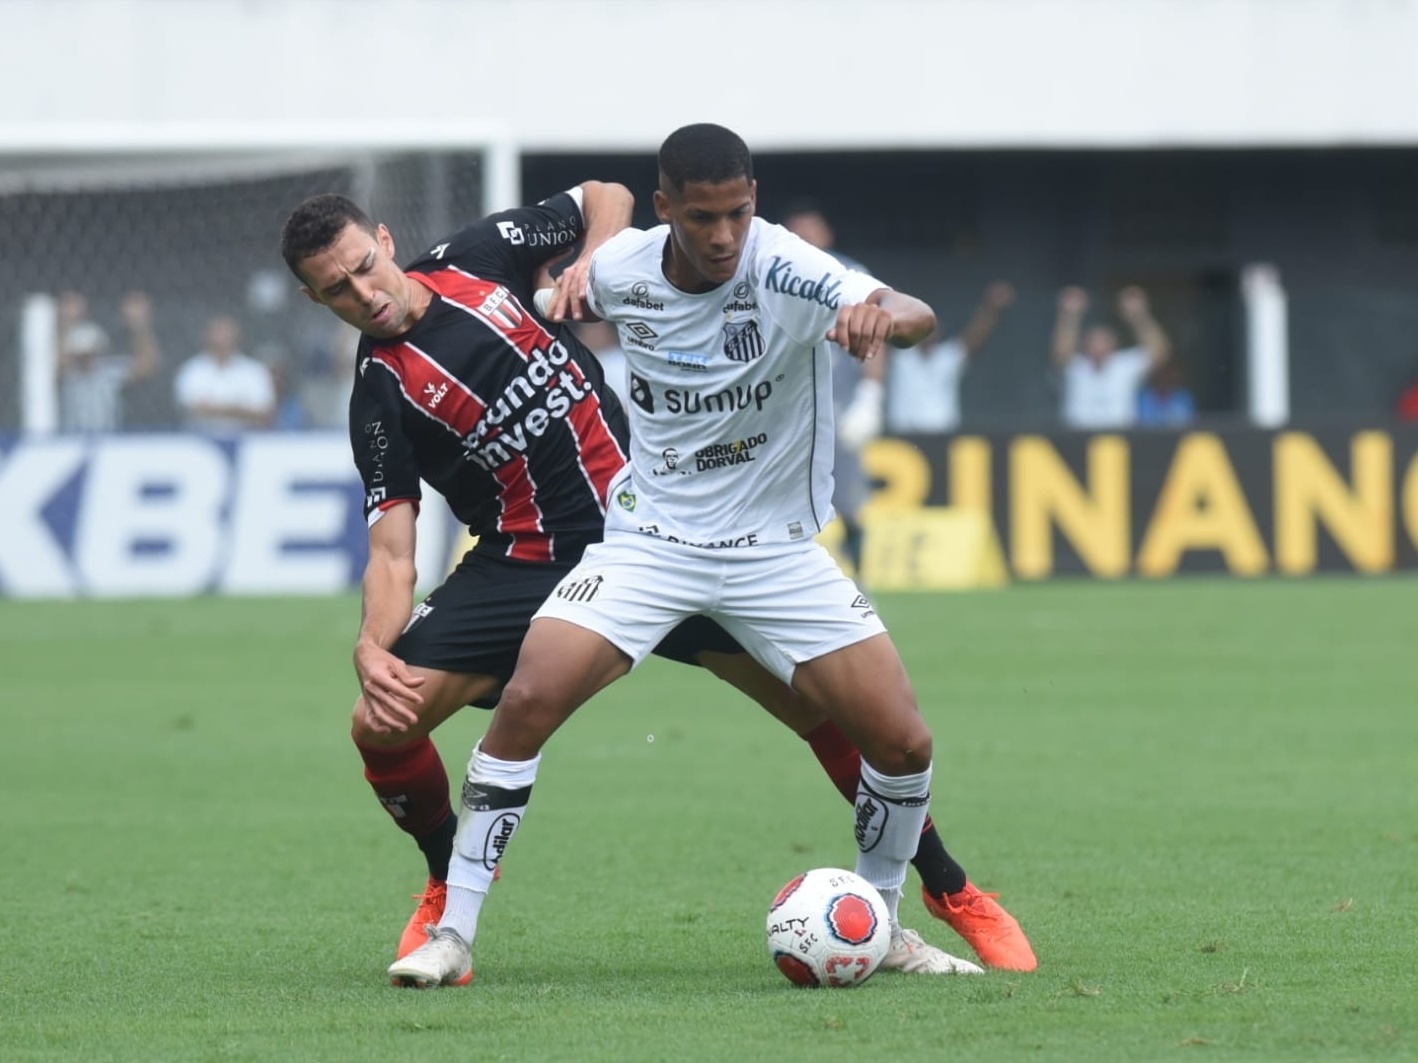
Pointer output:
862, 330
568, 300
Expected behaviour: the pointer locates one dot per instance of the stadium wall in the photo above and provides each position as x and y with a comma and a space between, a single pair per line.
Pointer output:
169, 515
1154, 504
275, 513
790, 74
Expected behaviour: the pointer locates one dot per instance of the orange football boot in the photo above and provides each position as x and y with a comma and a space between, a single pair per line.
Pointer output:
993, 933
429, 911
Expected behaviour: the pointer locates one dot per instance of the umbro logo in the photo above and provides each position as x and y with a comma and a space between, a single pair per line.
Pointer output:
641, 335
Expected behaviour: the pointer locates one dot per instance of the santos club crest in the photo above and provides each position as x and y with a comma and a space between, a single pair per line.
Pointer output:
742, 340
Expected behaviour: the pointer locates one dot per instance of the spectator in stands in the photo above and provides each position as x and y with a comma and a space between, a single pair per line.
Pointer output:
92, 380
1101, 381
923, 384
219, 389
601, 338
857, 394
1165, 402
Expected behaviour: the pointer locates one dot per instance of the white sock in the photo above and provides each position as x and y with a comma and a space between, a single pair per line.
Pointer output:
495, 796
891, 810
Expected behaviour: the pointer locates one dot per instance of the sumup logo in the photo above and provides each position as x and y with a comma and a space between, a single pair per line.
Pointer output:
639, 298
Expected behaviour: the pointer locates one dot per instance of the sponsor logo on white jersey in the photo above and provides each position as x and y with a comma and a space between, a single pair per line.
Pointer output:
780, 278
690, 363
728, 400
719, 455
639, 298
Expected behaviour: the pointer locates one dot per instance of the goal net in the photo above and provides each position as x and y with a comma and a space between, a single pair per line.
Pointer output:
190, 220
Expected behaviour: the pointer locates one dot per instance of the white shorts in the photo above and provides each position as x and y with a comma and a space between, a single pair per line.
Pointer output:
785, 604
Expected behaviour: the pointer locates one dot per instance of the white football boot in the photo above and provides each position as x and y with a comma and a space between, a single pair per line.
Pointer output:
445, 959
912, 955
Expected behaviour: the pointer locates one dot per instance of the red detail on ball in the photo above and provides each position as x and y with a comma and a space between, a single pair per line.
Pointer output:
851, 918
847, 970
787, 891
794, 969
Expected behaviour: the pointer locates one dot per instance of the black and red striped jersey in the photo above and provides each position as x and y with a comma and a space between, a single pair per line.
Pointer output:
507, 416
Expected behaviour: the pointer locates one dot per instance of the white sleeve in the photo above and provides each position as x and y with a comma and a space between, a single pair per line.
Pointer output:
183, 387
593, 293
606, 262
803, 288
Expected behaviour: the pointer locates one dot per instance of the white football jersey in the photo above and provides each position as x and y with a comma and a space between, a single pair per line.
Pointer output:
730, 390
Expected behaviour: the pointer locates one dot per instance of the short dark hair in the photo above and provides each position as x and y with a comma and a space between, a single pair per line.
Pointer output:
704, 152
316, 224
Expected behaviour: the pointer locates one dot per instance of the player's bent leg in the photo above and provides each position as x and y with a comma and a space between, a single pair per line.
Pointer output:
864, 688
407, 775
992, 932
560, 666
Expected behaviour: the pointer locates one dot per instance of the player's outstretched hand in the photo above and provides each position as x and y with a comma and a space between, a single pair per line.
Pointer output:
862, 329
568, 298
390, 689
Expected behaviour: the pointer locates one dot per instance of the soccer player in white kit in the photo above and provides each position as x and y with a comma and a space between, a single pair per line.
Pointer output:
724, 320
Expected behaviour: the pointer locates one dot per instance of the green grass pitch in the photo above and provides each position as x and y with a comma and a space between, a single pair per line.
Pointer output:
1198, 797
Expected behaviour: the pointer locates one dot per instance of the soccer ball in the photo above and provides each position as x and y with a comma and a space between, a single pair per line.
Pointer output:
828, 927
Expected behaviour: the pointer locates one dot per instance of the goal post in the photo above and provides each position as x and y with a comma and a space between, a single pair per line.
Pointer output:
189, 214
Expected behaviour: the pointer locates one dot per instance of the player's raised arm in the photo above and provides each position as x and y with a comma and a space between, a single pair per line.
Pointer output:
1068, 326
606, 208
886, 316
1133, 307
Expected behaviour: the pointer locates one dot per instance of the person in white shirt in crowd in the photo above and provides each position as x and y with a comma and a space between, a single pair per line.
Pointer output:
91, 378
857, 395
601, 338
220, 389
923, 384
1100, 379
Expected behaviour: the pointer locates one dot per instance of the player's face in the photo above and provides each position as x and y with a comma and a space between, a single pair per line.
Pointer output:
358, 279
708, 225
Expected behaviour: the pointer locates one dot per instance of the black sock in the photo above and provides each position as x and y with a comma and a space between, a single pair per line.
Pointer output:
940, 874
852, 538
437, 846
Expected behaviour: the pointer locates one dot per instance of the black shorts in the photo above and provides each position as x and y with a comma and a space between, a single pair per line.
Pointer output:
475, 621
